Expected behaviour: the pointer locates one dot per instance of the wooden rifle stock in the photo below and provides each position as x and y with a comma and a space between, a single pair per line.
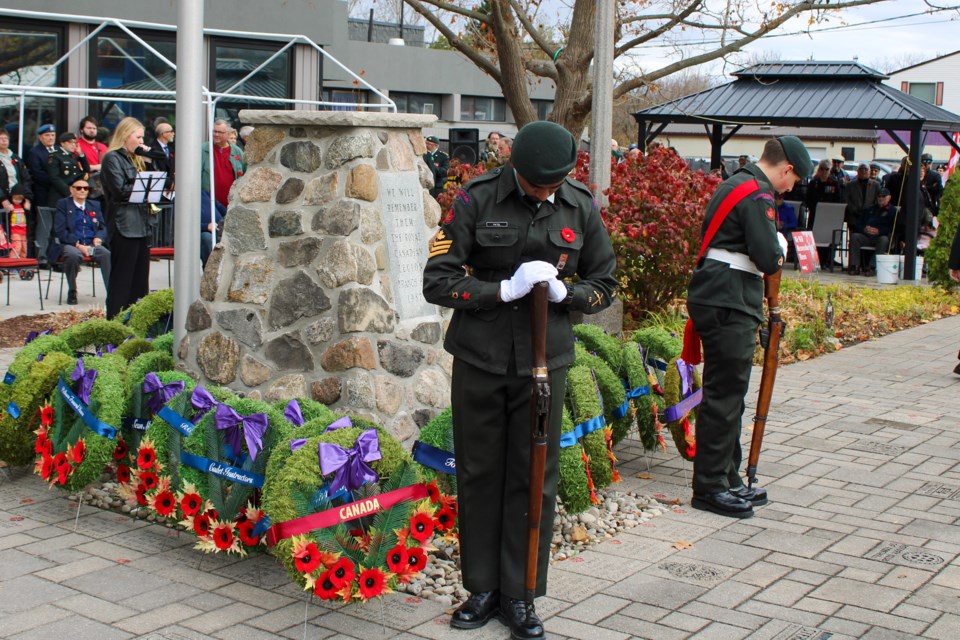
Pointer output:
775, 326
539, 420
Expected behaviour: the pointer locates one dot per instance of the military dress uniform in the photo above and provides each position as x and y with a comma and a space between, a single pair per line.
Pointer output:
63, 168
491, 229
725, 302
439, 163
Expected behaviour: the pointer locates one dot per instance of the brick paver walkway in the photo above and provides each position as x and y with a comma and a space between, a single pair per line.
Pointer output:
861, 539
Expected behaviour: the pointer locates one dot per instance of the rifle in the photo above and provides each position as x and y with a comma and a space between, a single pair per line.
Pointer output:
770, 339
539, 420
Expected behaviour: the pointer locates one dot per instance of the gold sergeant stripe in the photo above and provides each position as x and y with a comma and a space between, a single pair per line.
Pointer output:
441, 252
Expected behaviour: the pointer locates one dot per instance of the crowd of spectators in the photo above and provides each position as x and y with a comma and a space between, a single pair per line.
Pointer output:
86, 179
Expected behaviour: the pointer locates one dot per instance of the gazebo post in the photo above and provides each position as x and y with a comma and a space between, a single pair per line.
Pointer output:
912, 206
642, 136
716, 146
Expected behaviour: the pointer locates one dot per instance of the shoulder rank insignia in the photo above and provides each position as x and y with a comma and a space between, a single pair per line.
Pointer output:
439, 244
763, 195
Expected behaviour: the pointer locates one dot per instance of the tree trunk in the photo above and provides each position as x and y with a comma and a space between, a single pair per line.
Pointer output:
510, 57
573, 70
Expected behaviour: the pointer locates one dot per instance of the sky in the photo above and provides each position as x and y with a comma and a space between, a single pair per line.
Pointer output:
882, 34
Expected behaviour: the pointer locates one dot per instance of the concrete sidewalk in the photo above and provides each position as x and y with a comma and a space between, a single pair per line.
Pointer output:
861, 539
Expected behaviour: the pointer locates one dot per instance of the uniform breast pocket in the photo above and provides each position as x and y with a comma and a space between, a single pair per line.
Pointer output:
566, 244
497, 247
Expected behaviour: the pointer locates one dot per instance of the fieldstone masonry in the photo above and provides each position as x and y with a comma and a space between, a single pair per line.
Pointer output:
316, 287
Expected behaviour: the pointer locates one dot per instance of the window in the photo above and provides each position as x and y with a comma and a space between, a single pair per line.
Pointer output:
417, 102
543, 107
27, 52
118, 61
346, 96
234, 60
931, 92
480, 108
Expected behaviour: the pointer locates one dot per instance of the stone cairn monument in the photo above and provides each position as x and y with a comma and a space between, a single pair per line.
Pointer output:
315, 287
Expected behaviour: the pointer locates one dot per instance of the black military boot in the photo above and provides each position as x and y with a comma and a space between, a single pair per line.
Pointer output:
476, 611
522, 619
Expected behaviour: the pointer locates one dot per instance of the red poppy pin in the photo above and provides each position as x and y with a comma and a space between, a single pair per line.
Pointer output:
567, 234
771, 214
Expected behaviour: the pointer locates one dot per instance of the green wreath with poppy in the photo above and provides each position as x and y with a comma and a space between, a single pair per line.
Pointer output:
682, 428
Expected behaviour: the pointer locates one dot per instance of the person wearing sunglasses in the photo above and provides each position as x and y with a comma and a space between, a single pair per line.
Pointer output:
81, 231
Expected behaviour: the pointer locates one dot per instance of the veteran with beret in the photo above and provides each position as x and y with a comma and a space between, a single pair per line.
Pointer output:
438, 162
65, 165
725, 303
523, 223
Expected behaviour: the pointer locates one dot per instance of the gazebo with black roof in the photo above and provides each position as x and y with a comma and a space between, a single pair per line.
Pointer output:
841, 95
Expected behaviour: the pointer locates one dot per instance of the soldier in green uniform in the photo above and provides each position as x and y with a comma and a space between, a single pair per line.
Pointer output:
725, 302
521, 224
439, 163
65, 165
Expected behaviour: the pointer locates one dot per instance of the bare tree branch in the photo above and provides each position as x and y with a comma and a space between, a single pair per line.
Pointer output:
455, 41
659, 31
547, 47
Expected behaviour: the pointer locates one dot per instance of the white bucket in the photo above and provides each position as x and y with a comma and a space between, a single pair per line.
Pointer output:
887, 269
917, 268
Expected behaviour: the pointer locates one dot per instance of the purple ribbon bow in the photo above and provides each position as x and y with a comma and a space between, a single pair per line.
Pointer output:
293, 414
238, 428
33, 335
86, 379
686, 378
162, 393
349, 466
340, 423
202, 403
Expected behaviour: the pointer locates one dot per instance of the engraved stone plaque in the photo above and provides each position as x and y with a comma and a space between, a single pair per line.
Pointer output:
874, 446
401, 200
798, 632
938, 490
697, 573
892, 424
908, 556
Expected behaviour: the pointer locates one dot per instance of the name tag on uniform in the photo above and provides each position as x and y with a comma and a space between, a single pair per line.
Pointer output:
495, 224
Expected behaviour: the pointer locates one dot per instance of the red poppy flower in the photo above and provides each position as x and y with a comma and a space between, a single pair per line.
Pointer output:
326, 588
60, 461
201, 526
397, 558
342, 572
212, 514
372, 583
46, 415
150, 480
142, 494
445, 519
48, 447
46, 466
567, 234
190, 504
120, 452
416, 559
308, 559
245, 529
421, 527
223, 537
146, 457
123, 474
449, 502
42, 440
164, 503
78, 452
433, 491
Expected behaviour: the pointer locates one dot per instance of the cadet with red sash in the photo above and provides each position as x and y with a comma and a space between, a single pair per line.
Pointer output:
725, 303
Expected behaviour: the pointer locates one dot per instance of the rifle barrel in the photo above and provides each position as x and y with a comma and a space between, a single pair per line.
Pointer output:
539, 421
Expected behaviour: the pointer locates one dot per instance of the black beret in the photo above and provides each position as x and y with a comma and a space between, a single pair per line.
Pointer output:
433, 139
883, 192
67, 137
544, 153
797, 155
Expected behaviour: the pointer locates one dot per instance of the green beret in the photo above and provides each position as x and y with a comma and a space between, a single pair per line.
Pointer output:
797, 155
544, 153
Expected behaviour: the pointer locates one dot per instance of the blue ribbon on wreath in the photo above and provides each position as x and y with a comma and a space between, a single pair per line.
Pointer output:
176, 420
434, 458
584, 428
636, 392
222, 470
81, 409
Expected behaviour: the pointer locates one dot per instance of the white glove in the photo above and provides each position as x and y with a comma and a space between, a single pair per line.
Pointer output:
783, 244
557, 291
526, 275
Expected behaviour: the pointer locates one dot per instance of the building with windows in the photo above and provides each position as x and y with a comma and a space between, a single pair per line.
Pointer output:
240, 35
936, 81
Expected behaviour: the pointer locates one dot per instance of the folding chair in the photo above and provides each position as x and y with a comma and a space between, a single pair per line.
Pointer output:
161, 244
164, 253
9, 266
87, 261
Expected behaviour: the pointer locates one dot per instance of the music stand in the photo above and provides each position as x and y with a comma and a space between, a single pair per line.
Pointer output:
148, 187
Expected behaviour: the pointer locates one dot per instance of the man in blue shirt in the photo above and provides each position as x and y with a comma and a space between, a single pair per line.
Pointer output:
79, 226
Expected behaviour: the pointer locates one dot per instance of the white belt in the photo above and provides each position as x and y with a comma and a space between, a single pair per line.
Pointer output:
738, 261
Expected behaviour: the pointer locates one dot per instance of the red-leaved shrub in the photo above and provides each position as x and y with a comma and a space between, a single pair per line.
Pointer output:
654, 215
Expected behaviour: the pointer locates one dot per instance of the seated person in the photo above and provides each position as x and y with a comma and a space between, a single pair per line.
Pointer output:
79, 226
786, 216
873, 230
207, 225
